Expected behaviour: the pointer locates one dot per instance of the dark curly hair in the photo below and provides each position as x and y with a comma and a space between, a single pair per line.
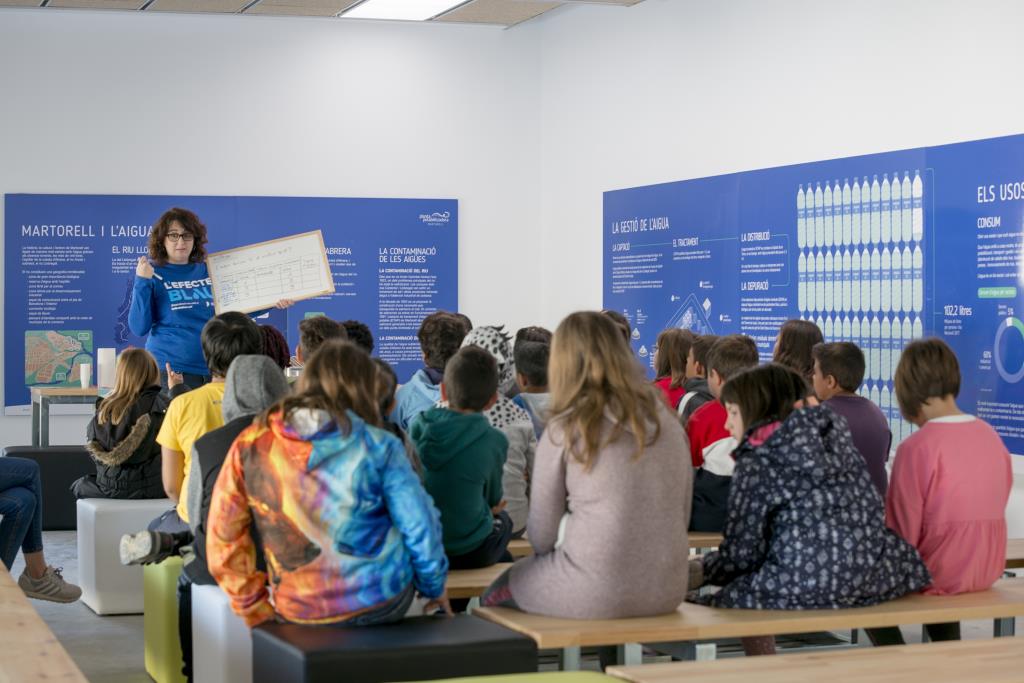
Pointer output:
440, 336
190, 223
275, 346
359, 333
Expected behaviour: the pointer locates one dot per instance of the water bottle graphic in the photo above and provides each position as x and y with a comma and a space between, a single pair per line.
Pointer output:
855, 332
876, 279
917, 207
801, 218
829, 215
855, 212
820, 322
865, 214
918, 328
819, 281
812, 275
918, 277
885, 349
876, 347
886, 206
830, 282
819, 217
886, 281
846, 332
906, 335
908, 280
897, 280
847, 216
885, 400
897, 199
875, 396
876, 211
847, 281
829, 331
906, 222
855, 281
801, 287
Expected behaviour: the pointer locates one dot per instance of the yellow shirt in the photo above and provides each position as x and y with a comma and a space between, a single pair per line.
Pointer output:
189, 417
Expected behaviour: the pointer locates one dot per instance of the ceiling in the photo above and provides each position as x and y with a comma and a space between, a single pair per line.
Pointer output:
495, 12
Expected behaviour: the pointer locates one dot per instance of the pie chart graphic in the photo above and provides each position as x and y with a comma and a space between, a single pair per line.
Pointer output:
1008, 350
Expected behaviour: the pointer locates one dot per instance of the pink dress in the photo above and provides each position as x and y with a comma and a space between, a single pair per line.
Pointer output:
947, 497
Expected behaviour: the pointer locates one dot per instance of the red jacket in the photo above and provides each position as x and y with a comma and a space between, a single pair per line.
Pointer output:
705, 427
672, 396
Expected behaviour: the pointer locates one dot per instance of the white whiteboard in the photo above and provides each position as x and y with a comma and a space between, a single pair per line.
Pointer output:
257, 276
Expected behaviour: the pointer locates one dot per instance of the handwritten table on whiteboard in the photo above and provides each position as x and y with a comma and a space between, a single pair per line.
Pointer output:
257, 276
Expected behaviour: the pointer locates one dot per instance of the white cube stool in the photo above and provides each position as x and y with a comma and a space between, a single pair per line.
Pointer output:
221, 642
108, 587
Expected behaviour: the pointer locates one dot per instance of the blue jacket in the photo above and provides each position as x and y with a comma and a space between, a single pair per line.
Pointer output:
413, 397
172, 312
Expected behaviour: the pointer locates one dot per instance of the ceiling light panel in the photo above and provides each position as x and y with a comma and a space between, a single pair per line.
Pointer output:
406, 10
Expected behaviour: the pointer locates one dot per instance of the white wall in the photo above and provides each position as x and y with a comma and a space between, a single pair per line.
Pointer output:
139, 103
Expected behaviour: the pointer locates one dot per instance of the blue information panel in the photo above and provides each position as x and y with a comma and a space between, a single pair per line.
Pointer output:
70, 263
877, 249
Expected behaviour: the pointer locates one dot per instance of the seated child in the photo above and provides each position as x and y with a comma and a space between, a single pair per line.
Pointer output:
532, 377
697, 391
838, 373
275, 346
805, 528
463, 457
670, 353
793, 347
387, 382
610, 493
312, 333
514, 422
347, 530
440, 336
122, 434
359, 334
950, 483
711, 445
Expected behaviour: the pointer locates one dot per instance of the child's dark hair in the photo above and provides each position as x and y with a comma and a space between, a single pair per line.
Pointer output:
730, 354
228, 335
532, 334
471, 379
440, 336
796, 339
842, 360
928, 368
315, 331
532, 362
275, 346
700, 348
764, 394
359, 333
387, 382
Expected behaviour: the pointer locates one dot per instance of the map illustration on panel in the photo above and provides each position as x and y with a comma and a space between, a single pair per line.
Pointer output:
53, 357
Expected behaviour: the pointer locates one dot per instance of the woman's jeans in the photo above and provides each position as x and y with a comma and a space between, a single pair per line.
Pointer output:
21, 504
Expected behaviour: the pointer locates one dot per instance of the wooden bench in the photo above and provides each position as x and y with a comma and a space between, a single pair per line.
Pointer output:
1015, 553
28, 649
999, 660
699, 540
691, 623
471, 583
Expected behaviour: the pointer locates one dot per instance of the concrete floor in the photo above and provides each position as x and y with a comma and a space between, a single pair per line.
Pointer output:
109, 649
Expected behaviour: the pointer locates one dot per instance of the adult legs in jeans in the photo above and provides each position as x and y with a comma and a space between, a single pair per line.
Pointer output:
21, 504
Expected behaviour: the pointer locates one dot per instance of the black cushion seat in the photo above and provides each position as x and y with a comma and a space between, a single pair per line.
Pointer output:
59, 468
414, 649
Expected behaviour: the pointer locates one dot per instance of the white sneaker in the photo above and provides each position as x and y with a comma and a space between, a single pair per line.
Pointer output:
51, 586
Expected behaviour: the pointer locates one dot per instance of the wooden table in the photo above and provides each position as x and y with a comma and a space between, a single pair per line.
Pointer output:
28, 649
1000, 660
44, 397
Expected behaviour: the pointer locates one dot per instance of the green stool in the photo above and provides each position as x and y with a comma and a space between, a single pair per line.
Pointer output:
539, 677
160, 621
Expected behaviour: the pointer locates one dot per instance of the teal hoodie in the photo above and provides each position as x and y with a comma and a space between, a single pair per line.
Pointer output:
463, 457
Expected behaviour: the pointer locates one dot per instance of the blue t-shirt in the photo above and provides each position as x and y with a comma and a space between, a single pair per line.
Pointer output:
172, 311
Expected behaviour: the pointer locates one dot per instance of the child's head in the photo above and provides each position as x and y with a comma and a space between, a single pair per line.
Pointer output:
729, 355
697, 359
532, 365
359, 333
136, 370
793, 346
838, 368
470, 380
387, 383
671, 350
760, 395
493, 340
315, 331
275, 346
337, 378
228, 335
928, 371
620, 321
593, 376
440, 336
532, 334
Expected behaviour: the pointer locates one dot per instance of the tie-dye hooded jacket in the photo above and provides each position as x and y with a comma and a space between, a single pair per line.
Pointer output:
342, 519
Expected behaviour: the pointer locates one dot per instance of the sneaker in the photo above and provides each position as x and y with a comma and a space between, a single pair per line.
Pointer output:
149, 547
51, 586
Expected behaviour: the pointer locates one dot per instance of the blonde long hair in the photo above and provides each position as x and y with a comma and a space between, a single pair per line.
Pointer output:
593, 374
136, 370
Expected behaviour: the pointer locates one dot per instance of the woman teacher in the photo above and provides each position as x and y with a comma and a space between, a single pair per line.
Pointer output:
173, 298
